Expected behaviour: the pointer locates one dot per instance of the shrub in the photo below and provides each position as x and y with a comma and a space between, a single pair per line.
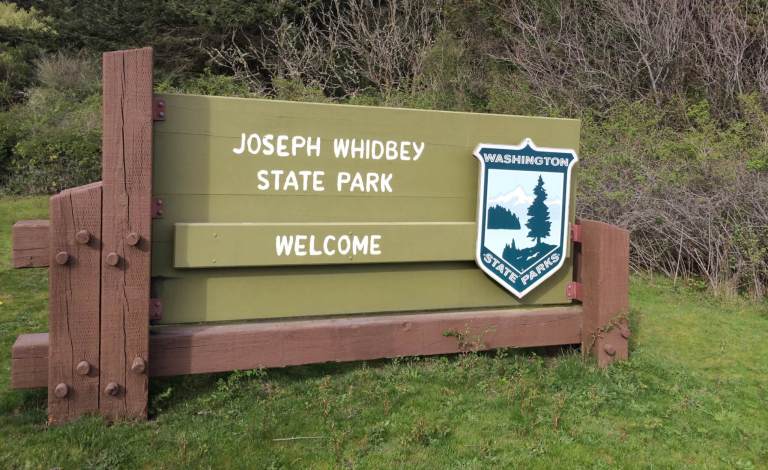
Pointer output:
600, 52
59, 144
207, 83
74, 75
694, 198
53, 140
342, 48
22, 35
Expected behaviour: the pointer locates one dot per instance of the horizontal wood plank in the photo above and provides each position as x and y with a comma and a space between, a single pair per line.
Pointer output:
29, 361
280, 244
30, 243
243, 294
195, 148
177, 350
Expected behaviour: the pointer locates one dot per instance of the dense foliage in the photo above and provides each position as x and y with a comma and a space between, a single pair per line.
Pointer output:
671, 94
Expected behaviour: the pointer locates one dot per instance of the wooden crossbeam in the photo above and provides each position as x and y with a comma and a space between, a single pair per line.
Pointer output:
178, 350
30, 239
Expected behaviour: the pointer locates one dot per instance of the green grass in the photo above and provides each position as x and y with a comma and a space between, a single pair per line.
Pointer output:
695, 393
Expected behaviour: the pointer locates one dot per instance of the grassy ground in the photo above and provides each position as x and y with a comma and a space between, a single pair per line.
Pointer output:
695, 393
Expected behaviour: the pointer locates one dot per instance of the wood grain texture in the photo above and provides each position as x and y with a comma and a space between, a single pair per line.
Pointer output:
201, 181
73, 305
604, 271
178, 350
202, 349
29, 361
127, 178
242, 294
30, 243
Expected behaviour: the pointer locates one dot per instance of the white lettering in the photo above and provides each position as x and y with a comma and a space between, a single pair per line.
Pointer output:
283, 245
313, 146
263, 181
239, 151
329, 245
344, 245
419, 147
300, 248
297, 142
371, 149
251, 149
340, 147
269, 147
302, 180
282, 146
377, 150
375, 248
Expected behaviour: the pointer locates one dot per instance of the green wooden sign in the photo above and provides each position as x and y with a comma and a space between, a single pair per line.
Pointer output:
412, 224
282, 209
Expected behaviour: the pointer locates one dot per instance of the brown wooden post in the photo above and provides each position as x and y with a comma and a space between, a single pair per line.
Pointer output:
125, 274
73, 320
604, 272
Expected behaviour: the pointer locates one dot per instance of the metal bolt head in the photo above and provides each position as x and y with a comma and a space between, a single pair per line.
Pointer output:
83, 237
132, 238
112, 389
83, 368
62, 257
113, 258
609, 349
157, 208
138, 366
61, 390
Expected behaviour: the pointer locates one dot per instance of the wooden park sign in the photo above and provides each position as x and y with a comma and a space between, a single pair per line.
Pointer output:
308, 233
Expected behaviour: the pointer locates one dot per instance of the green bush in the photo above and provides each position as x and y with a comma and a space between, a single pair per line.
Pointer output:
58, 146
207, 83
23, 35
692, 194
53, 140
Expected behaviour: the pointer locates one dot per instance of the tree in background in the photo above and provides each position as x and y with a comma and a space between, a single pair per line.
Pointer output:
502, 218
538, 214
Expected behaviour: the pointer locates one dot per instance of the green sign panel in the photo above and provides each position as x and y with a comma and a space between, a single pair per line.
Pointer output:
281, 209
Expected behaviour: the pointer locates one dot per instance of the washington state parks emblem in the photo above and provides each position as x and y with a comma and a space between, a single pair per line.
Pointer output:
523, 212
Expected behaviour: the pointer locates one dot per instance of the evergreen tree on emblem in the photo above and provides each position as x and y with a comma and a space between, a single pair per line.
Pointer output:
538, 215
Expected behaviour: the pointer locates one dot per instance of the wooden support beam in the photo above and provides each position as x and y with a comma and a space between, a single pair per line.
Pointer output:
29, 361
603, 268
125, 274
178, 350
73, 305
30, 244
